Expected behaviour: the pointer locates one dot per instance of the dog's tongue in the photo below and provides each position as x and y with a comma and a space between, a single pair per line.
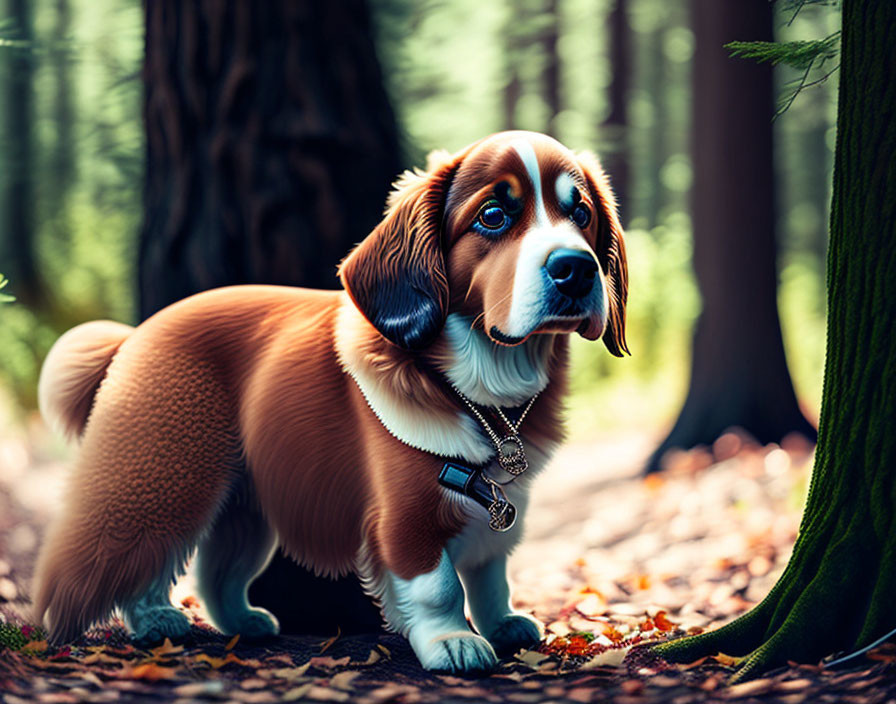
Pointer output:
591, 328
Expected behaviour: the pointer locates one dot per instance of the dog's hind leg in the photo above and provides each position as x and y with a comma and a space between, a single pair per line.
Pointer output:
151, 617
231, 555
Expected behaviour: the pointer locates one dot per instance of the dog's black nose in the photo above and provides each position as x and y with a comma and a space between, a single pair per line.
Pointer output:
572, 271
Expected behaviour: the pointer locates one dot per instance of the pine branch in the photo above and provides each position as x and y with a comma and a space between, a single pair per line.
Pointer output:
800, 55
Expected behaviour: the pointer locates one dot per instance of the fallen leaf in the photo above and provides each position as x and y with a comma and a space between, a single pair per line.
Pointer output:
325, 645
344, 679
532, 658
663, 623
229, 659
34, 647
197, 689
323, 694
291, 673
726, 660
750, 689
374, 657
608, 658
231, 644
151, 672
296, 693
327, 663
166, 648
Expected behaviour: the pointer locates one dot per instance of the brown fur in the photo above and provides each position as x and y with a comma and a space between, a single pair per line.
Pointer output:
248, 379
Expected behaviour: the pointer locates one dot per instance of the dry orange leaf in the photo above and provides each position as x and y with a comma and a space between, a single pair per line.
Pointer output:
329, 641
663, 623
151, 672
34, 647
726, 660
232, 643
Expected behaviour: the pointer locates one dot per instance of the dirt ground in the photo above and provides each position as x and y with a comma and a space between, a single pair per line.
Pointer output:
611, 560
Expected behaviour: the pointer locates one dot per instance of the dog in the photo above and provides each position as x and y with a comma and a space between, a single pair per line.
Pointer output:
359, 429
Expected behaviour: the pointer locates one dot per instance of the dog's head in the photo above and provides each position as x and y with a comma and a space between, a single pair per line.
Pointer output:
515, 231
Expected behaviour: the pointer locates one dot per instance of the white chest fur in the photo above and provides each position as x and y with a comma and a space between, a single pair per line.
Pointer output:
484, 372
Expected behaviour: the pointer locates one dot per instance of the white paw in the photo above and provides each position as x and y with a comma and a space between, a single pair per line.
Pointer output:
457, 653
515, 632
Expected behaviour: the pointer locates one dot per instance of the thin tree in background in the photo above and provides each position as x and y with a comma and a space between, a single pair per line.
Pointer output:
739, 375
614, 129
271, 145
549, 38
17, 249
837, 591
61, 169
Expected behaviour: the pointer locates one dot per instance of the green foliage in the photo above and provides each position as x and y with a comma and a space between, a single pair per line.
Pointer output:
800, 55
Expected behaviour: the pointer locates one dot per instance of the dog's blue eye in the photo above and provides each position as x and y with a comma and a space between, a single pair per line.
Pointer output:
581, 216
492, 217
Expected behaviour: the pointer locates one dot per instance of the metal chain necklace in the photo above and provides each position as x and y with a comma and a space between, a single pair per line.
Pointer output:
511, 454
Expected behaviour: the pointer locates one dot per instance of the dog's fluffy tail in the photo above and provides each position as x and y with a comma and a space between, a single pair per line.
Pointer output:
73, 371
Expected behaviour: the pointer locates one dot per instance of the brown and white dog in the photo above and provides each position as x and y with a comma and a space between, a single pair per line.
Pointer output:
249, 416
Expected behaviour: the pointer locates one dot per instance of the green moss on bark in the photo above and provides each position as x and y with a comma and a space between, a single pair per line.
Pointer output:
837, 591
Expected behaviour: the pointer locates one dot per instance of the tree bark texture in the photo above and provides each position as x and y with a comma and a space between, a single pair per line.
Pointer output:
18, 259
615, 127
550, 77
739, 375
271, 145
837, 591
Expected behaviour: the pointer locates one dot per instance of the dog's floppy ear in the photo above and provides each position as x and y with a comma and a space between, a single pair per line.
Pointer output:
396, 276
610, 251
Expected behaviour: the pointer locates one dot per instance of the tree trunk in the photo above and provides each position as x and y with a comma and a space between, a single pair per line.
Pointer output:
270, 148
62, 159
270, 143
615, 127
739, 376
550, 77
837, 591
17, 251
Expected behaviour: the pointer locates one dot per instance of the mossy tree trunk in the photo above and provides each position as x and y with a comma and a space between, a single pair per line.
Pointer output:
18, 255
837, 591
739, 374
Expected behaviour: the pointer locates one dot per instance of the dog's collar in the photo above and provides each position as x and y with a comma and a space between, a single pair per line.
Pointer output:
483, 490
509, 451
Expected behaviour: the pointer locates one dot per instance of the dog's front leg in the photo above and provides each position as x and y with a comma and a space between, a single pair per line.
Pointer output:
429, 610
489, 595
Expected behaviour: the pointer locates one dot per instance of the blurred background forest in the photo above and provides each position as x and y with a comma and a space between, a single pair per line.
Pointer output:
614, 76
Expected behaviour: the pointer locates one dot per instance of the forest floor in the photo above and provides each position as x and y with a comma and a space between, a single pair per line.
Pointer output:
611, 560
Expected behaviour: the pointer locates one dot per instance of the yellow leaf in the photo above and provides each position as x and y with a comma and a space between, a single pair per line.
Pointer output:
218, 663
231, 644
166, 648
374, 657
726, 660
35, 646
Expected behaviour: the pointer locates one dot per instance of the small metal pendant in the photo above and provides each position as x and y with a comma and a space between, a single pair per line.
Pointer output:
511, 455
502, 516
